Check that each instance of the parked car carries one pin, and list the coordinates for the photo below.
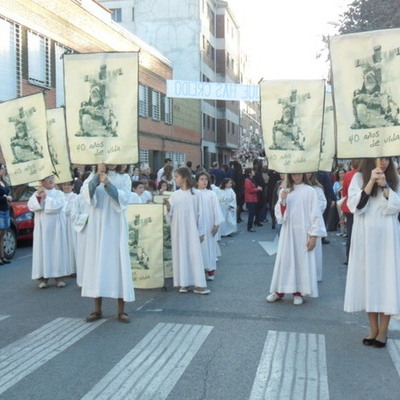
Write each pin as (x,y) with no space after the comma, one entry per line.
(21,219)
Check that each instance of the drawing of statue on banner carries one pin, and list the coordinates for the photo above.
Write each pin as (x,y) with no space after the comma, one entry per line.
(373,105)
(101,95)
(23,139)
(145,240)
(292,116)
(57,143)
(25,147)
(366,79)
(328,145)
(286,132)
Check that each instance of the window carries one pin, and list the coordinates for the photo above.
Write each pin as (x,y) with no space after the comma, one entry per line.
(178,159)
(116,14)
(60,50)
(168,110)
(155,105)
(39,67)
(144,157)
(143,101)
(211,18)
(133,13)
(10,60)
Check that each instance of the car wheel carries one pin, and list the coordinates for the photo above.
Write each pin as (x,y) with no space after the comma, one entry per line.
(10,243)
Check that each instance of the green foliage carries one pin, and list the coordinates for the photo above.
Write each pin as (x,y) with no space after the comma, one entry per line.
(369,15)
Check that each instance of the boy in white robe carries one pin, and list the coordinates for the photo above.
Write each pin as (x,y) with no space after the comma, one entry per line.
(50,256)
(227,200)
(137,191)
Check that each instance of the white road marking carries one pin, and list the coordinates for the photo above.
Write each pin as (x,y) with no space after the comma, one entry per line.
(393,347)
(3,317)
(152,368)
(292,365)
(20,358)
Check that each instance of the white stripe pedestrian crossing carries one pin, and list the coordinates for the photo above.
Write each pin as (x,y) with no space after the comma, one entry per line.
(152,368)
(393,347)
(24,356)
(3,317)
(292,365)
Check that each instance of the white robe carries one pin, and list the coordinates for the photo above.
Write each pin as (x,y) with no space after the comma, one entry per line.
(295,267)
(212,216)
(50,256)
(79,217)
(318,247)
(107,267)
(227,200)
(373,275)
(187,225)
(71,233)
(134,198)
(217,191)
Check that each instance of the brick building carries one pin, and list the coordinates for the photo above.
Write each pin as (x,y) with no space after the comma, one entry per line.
(36,33)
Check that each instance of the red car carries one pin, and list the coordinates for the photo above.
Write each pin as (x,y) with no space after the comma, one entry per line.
(21,219)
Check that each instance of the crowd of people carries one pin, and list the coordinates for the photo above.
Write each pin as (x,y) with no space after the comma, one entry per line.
(81,229)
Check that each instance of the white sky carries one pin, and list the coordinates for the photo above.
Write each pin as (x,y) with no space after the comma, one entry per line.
(283,36)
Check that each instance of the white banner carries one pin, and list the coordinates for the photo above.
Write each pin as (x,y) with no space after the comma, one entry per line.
(213,91)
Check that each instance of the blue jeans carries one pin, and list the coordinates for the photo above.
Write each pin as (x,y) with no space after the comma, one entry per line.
(251,209)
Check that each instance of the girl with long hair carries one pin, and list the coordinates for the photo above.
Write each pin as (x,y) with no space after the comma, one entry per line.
(373,274)
(227,200)
(295,266)
(185,212)
(212,219)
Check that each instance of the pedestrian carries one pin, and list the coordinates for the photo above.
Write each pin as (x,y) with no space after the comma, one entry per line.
(313,182)
(373,274)
(50,255)
(168,176)
(217,172)
(295,267)
(137,191)
(250,196)
(227,200)
(160,172)
(275,184)
(185,212)
(70,197)
(5,201)
(261,195)
(348,176)
(330,214)
(107,267)
(212,219)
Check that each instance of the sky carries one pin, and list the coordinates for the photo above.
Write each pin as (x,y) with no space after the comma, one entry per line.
(283,37)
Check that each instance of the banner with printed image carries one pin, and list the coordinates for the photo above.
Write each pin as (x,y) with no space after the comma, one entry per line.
(23,139)
(328,144)
(101,94)
(292,115)
(58,146)
(145,223)
(366,81)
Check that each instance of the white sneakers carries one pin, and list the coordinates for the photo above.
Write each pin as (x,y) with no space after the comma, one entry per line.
(298,300)
(271,298)
(201,290)
(61,284)
(183,289)
(43,285)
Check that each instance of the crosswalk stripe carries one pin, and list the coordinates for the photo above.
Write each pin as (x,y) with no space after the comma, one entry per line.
(393,347)
(152,368)
(3,317)
(292,365)
(24,356)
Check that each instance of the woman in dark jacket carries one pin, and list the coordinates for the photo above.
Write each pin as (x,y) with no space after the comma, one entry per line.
(5,200)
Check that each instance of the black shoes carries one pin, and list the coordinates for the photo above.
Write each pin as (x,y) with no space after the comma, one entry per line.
(374,343)
(325,241)
(368,342)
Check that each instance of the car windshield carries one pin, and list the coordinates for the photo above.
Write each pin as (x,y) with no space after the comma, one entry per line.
(22,192)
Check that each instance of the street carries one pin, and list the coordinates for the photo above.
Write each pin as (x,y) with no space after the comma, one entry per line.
(231,344)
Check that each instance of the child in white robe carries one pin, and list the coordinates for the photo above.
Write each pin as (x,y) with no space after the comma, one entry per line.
(185,213)
(295,267)
(70,197)
(227,200)
(107,266)
(137,190)
(212,219)
(50,256)
(373,273)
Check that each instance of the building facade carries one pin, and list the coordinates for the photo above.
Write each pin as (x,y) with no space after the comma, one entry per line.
(201,38)
(35,35)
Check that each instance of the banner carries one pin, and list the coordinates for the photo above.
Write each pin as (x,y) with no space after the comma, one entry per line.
(366,80)
(145,223)
(57,140)
(23,139)
(168,269)
(213,91)
(328,145)
(101,92)
(292,115)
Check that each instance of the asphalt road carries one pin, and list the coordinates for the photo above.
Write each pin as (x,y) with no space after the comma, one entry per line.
(228,345)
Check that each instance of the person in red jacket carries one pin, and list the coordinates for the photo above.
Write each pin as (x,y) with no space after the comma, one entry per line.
(250,196)
(348,214)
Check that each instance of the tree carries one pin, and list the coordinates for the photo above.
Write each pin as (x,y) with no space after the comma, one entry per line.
(370,15)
